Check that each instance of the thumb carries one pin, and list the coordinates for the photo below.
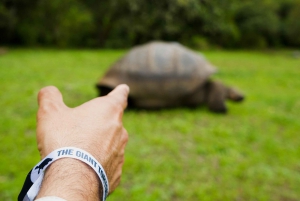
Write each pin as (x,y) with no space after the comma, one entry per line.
(120,94)
(50,99)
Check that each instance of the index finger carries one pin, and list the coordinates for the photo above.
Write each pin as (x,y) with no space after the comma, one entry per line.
(120,95)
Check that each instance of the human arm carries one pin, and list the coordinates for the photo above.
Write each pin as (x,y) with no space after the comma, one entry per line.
(96,127)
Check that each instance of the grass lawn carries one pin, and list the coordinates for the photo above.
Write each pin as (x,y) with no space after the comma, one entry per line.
(252,153)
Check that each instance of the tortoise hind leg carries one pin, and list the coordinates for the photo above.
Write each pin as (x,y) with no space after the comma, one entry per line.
(216,96)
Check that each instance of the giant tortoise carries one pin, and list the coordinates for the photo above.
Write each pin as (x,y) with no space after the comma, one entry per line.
(162,74)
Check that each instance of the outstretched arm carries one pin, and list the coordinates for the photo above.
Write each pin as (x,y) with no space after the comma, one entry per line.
(96,127)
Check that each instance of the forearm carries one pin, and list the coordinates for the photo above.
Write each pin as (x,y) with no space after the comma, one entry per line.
(71,179)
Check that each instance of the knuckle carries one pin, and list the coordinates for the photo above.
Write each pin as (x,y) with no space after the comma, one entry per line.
(121,155)
(125,136)
(117,125)
(115,105)
(120,172)
(49,106)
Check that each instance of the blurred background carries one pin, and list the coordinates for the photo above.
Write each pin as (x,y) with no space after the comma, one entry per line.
(123,23)
(252,153)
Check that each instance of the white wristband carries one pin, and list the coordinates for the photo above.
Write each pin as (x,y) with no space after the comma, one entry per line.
(50,198)
(35,177)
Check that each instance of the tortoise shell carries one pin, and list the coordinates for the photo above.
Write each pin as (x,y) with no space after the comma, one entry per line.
(158,73)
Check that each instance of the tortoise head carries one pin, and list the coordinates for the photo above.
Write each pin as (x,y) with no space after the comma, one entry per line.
(218,93)
(234,95)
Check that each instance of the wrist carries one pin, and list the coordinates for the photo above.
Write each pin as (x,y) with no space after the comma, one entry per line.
(71,179)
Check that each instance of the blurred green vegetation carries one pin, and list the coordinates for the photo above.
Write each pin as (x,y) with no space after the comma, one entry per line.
(124,23)
(252,153)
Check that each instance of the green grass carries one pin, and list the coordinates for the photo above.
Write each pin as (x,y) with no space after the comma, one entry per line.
(252,153)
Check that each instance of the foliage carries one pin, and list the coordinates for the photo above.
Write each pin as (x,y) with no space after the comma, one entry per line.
(252,153)
(124,23)
(62,23)
(292,26)
(7,22)
(258,23)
